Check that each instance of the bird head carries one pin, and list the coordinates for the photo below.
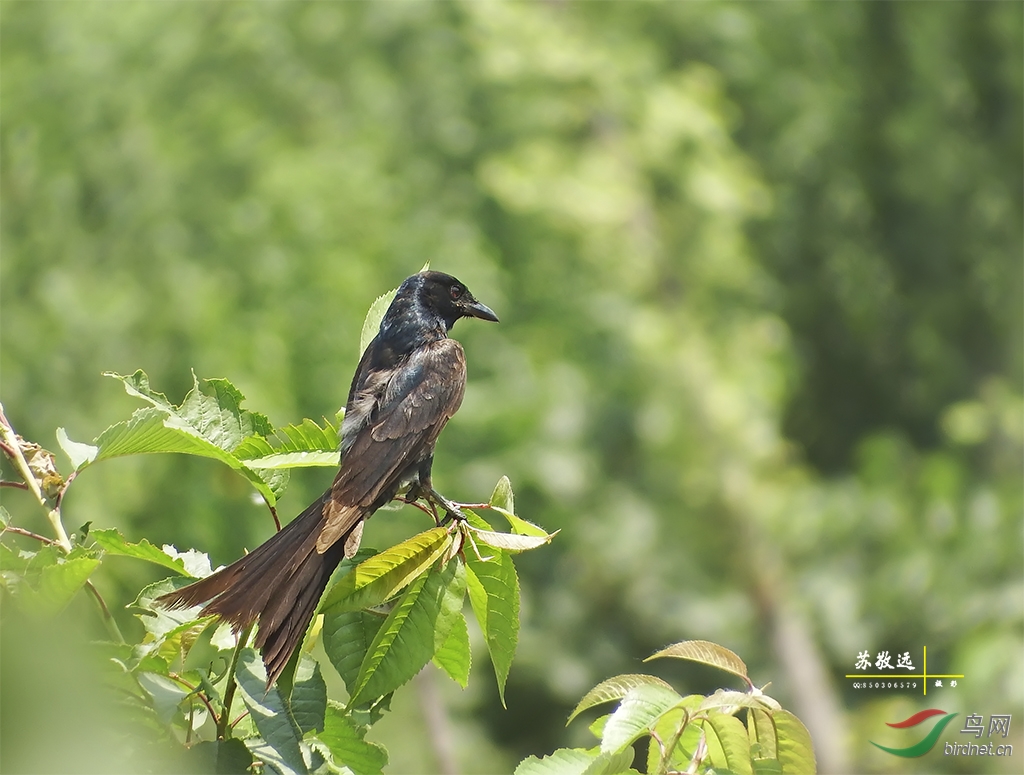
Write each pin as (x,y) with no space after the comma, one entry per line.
(449,298)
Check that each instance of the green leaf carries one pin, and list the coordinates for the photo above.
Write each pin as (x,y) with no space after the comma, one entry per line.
(667,728)
(347,636)
(639,710)
(510,542)
(294,446)
(371,323)
(167,694)
(78,453)
(381,577)
(413,632)
(577,761)
(761,732)
(706,653)
(271,715)
(112,542)
(494,595)
(614,689)
(346,744)
(48,593)
(209,423)
(727,701)
(503,502)
(728,747)
(795,748)
(308,699)
(455,656)
(220,757)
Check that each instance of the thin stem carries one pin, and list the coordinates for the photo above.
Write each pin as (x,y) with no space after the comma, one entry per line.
(19,485)
(108,618)
(232,685)
(199,694)
(27,533)
(273,513)
(666,751)
(12,449)
(240,717)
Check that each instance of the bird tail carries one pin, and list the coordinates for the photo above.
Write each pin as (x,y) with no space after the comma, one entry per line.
(277,584)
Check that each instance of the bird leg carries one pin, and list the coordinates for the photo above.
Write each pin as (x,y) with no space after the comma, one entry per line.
(450,507)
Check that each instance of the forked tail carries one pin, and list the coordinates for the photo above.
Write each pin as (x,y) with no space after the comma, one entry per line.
(277,584)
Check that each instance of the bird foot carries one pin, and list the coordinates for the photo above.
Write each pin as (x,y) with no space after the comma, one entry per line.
(451,509)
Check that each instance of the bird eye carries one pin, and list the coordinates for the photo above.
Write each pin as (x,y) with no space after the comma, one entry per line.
(456,291)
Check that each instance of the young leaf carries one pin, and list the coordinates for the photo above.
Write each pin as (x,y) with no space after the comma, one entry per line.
(347,636)
(413,632)
(503,502)
(639,710)
(614,689)
(78,453)
(510,542)
(455,656)
(728,701)
(371,323)
(795,749)
(683,745)
(271,715)
(346,744)
(706,653)
(494,595)
(381,577)
(727,743)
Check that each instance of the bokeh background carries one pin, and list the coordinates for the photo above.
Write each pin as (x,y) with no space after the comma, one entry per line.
(759,273)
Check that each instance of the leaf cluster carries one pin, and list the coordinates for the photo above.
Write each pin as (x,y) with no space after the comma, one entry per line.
(692,733)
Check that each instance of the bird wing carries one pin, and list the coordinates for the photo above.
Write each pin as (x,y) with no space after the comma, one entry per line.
(411,406)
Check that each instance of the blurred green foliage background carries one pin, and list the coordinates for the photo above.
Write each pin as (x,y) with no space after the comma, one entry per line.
(759,274)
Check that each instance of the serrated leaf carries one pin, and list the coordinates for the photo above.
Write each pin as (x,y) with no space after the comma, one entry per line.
(795,748)
(347,636)
(52,589)
(270,713)
(494,595)
(381,577)
(455,656)
(295,446)
(371,323)
(577,761)
(510,542)
(346,744)
(707,653)
(413,632)
(614,689)
(197,564)
(728,747)
(78,453)
(209,423)
(639,710)
(112,542)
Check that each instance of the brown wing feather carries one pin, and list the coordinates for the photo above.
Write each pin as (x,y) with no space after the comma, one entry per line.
(400,434)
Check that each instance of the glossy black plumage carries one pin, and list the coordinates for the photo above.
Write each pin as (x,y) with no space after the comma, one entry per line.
(409,382)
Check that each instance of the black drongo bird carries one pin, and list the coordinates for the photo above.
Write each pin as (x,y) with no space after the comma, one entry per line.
(408,384)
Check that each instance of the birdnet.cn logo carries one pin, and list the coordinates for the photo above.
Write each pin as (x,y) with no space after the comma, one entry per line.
(998,727)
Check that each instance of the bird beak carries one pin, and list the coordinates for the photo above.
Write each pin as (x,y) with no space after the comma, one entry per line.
(477,310)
